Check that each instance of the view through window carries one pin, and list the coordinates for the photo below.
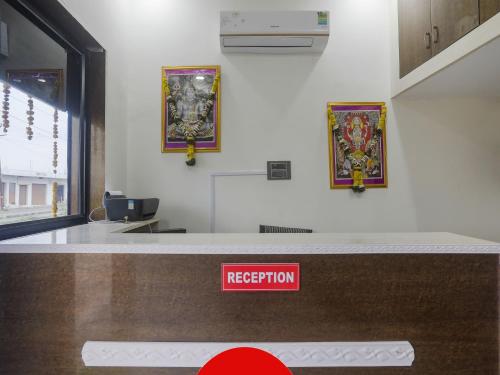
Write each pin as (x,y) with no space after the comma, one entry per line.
(40,81)
(34,172)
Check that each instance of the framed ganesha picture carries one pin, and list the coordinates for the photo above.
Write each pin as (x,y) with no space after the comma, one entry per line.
(357,145)
(191,109)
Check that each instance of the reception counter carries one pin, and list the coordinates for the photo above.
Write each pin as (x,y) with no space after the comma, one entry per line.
(94,299)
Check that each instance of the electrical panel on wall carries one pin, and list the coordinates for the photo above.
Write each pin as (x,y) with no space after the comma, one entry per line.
(279,170)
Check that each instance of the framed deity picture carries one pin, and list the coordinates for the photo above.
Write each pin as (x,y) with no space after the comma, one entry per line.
(44,84)
(357,145)
(191,108)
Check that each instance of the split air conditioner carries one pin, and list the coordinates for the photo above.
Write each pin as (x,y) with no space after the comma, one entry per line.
(274,32)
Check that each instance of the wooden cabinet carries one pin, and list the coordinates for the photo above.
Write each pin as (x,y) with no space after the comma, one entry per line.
(488,8)
(415,44)
(426,27)
(451,20)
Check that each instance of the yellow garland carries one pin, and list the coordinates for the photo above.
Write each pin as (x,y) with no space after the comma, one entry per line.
(383,115)
(166,89)
(331,119)
(54,199)
(190,151)
(215,85)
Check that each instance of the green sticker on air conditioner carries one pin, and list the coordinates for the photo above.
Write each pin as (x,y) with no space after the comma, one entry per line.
(322,18)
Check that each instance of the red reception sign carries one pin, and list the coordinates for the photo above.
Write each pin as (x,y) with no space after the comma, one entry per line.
(260,277)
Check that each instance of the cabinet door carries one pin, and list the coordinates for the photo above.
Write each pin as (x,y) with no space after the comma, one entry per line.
(414,34)
(488,8)
(451,20)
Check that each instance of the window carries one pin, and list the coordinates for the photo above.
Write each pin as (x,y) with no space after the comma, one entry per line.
(44,135)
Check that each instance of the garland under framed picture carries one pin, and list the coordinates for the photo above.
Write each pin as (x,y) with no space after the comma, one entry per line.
(191,110)
(357,145)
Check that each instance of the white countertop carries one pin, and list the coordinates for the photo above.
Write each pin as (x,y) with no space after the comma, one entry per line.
(102,237)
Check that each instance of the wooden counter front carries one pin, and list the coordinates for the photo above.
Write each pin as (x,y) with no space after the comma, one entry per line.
(445,305)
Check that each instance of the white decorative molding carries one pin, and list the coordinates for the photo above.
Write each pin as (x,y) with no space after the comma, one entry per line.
(293,354)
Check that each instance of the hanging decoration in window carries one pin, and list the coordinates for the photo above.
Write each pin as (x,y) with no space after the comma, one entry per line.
(191,110)
(55,136)
(356,133)
(49,122)
(30,113)
(5,112)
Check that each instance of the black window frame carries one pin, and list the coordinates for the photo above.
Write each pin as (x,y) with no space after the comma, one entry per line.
(53,19)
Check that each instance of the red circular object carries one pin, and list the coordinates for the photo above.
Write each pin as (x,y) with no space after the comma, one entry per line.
(244,361)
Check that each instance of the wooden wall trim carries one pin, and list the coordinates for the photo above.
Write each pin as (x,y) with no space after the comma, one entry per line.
(96,80)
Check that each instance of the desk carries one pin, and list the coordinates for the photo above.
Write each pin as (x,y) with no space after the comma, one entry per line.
(113,238)
(438,291)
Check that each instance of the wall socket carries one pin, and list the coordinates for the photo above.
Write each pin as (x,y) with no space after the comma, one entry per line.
(279,170)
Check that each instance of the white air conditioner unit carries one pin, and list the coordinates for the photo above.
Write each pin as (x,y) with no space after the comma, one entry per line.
(274,32)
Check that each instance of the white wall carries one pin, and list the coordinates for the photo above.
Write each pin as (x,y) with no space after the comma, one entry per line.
(452,150)
(274,107)
(443,153)
(450,131)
